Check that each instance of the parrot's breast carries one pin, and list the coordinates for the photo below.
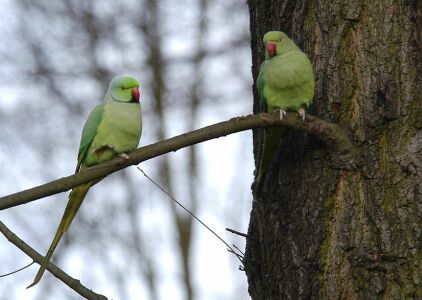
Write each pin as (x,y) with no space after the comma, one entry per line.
(119,132)
(289,81)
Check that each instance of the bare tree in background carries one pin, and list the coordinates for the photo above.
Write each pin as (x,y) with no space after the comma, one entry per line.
(58,69)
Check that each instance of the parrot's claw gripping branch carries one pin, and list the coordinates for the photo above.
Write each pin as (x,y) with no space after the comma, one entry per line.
(302,114)
(124,156)
(282,114)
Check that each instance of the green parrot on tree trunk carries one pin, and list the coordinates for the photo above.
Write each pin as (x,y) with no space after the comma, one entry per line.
(285,82)
(112,128)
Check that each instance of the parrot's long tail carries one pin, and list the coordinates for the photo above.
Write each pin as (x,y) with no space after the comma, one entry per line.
(271,140)
(76,197)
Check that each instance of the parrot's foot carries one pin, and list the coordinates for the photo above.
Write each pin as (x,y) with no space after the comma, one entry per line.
(124,156)
(282,113)
(302,114)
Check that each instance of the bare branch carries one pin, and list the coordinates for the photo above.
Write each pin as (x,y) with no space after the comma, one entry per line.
(342,151)
(74,284)
(237,232)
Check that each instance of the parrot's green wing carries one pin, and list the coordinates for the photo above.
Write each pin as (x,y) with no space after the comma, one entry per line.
(260,86)
(88,133)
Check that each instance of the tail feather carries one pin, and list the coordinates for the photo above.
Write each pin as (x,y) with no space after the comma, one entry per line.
(76,197)
(271,141)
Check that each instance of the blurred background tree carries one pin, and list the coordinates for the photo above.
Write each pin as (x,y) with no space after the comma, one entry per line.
(128,241)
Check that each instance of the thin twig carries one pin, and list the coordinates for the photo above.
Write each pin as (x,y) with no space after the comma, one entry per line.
(18,270)
(239,249)
(74,284)
(237,232)
(230,249)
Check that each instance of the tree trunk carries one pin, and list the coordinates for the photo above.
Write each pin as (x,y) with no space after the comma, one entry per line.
(319,231)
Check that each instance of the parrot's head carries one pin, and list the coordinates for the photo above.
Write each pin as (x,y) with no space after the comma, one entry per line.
(124,89)
(277,43)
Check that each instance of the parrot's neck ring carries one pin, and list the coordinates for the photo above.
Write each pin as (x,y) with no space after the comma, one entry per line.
(121,101)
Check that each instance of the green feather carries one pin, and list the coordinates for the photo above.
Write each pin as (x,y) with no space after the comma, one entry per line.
(260,86)
(89,132)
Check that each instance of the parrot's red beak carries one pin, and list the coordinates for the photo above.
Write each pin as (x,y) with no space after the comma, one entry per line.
(135,94)
(271,48)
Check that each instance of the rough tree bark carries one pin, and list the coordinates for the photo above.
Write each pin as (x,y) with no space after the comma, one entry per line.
(322,231)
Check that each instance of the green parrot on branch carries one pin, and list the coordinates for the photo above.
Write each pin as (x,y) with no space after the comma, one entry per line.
(285,82)
(113,128)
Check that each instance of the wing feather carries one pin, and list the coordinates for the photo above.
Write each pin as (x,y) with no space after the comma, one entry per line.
(89,131)
(260,83)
